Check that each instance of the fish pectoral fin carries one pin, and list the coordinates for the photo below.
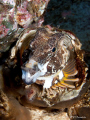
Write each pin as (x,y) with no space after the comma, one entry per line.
(70,65)
(70,69)
(72,73)
(69,73)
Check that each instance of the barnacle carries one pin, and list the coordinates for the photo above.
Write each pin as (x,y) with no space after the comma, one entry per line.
(55,66)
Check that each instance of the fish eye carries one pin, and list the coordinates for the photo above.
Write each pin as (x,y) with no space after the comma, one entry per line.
(54,49)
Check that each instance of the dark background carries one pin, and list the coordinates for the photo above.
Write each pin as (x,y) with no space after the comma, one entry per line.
(71,15)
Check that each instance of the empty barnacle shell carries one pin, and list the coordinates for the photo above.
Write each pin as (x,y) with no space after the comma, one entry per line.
(55,70)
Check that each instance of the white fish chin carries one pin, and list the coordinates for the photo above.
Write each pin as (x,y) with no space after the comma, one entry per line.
(29,79)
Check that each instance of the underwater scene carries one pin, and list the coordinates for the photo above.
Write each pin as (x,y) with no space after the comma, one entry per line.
(44,60)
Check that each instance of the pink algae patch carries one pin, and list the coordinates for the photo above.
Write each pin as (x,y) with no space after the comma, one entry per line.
(3,31)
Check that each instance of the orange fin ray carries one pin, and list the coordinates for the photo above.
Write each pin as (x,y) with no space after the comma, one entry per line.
(70,74)
(67,85)
(58,85)
(70,79)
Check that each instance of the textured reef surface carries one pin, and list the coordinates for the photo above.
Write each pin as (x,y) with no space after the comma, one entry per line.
(44,60)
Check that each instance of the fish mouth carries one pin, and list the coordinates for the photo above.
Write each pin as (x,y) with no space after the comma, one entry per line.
(33,67)
(65,78)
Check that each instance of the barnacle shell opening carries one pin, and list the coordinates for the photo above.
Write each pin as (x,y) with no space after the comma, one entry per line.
(55,70)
